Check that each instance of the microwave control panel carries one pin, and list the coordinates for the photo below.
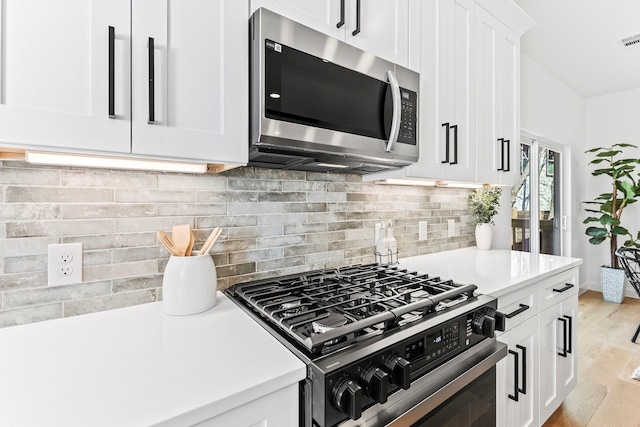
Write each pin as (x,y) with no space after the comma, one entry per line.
(408,117)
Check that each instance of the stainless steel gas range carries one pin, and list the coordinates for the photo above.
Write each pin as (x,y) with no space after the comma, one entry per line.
(383,346)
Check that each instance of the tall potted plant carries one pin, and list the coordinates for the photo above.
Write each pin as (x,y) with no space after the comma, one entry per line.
(484,203)
(609,208)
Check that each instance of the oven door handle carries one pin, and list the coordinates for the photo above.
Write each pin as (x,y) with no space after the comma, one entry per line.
(397,112)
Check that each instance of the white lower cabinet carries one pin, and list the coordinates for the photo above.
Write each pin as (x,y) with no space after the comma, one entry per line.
(540,369)
(558,354)
(517,382)
(279,408)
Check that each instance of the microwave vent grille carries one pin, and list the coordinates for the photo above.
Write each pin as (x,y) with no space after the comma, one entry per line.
(273,159)
(369,168)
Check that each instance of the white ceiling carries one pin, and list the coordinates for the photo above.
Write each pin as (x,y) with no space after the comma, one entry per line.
(579,42)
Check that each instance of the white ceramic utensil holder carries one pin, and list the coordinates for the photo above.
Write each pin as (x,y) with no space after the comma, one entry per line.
(189,285)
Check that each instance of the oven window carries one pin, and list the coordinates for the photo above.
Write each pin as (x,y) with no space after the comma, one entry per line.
(301,88)
(473,406)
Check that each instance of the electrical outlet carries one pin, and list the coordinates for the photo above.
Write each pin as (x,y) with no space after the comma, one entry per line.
(64,264)
(422,230)
(451,228)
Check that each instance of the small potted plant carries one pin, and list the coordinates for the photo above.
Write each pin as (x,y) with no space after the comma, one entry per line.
(609,208)
(484,203)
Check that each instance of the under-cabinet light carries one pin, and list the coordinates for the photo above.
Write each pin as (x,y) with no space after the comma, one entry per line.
(80,160)
(331,165)
(459,185)
(400,181)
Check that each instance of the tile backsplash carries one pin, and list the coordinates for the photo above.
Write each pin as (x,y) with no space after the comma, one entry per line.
(274,222)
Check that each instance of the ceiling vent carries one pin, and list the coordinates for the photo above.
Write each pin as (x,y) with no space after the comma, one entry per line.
(631,40)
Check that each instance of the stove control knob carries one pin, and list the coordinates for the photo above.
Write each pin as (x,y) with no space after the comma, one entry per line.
(347,398)
(400,370)
(484,325)
(377,384)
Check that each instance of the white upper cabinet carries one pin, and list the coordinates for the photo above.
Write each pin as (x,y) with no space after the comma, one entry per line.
(163,78)
(455,146)
(189,79)
(381,27)
(498,122)
(55,64)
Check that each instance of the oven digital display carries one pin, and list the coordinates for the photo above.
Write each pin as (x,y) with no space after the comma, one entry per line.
(414,351)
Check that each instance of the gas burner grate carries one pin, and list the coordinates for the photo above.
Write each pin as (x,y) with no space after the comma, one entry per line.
(367,299)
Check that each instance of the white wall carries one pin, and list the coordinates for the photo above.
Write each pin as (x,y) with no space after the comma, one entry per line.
(611,119)
(552,110)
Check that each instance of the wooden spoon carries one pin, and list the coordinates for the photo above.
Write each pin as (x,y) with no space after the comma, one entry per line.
(167,242)
(190,247)
(211,240)
(181,236)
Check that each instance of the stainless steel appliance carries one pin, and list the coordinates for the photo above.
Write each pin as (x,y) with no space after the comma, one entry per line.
(383,346)
(320,104)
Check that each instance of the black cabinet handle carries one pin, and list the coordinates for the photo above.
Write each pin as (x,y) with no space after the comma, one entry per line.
(566,288)
(564,338)
(508,144)
(455,145)
(516,379)
(446,144)
(112,72)
(570,332)
(523,390)
(357,30)
(341,23)
(150,49)
(501,145)
(501,318)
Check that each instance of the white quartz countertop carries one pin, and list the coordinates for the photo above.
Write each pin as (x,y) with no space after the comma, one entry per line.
(495,272)
(138,367)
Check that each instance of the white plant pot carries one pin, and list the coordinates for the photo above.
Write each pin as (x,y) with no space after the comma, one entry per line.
(189,285)
(612,281)
(484,232)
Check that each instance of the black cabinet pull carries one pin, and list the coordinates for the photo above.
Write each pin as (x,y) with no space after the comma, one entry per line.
(501,318)
(446,144)
(508,144)
(357,30)
(523,390)
(570,332)
(566,288)
(516,379)
(455,145)
(112,72)
(522,308)
(150,48)
(564,338)
(341,23)
(501,145)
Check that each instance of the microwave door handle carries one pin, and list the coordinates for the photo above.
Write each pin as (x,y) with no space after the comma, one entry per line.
(395,121)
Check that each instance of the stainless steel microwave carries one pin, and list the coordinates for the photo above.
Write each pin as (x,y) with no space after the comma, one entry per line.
(319,104)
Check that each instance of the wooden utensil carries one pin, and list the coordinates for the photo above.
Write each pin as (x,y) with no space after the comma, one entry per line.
(211,240)
(190,247)
(181,236)
(167,243)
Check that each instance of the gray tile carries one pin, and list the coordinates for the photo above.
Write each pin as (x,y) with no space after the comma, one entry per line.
(126,195)
(120,270)
(236,269)
(26,246)
(137,283)
(325,237)
(192,182)
(191,209)
(10,282)
(109,302)
(305,186)
(253,185)
(304,207)
(282,196)
(25,263)
(29,211)
(305,249)
(226,196)
(111,210)
(326,217)
(276,241)
(58,194)
(120,240)
(227,221)
(281,219)
(253,208)
(21,176)
(254,255)
(325,257)
(256,232)
(344,225)
(304,228)
(58,228)
(55,294)
(112,179)
(22,316)
(137,225)
(123,255)
(274,264)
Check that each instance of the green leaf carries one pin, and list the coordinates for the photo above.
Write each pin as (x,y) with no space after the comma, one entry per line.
(610,153)
(597,240)
(619,231)
(596,232)
(608,220)
(624,145)
(591,219)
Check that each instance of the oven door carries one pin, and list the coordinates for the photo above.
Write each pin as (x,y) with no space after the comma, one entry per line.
(461,393)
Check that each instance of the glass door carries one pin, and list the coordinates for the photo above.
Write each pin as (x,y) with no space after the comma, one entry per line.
(536,208)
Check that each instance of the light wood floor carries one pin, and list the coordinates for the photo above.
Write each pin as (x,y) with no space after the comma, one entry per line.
(605,395)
